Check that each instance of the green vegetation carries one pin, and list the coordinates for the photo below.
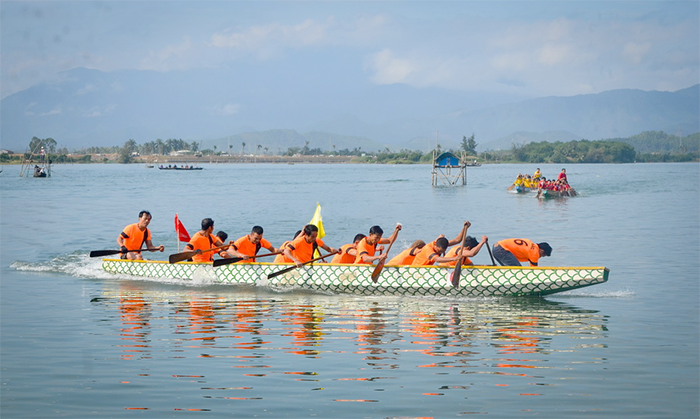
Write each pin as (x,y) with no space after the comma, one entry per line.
(650,146)
(583,151)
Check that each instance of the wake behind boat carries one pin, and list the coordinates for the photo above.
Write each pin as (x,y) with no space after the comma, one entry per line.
(476,281)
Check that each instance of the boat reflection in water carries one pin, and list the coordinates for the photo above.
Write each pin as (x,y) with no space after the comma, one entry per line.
(331,342)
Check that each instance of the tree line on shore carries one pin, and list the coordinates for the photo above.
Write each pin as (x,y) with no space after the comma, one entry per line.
(657,146)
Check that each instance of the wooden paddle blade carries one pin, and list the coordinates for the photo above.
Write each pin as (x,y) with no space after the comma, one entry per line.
(380,265)
(179,257)
(457,273)
(377,271)
(283,271)
(98,253)
(274,274)
(222,262)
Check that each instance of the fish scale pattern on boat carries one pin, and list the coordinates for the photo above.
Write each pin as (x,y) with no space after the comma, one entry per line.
(355,279)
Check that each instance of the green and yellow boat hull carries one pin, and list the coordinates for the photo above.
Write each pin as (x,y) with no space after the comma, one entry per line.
(475,281)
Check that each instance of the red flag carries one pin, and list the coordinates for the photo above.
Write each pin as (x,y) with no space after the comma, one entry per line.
(182,233)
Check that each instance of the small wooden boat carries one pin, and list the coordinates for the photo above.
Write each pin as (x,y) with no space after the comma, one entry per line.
(520,189)
(476,281)
(180,168)
(552,194)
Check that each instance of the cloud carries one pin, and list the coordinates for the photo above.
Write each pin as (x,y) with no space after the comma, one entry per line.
(531,48)
(635,52)
(171,57)
(271,40)
(556,57)
(390,69)
(55,111)
(89,88)
(227,109)
(100,111)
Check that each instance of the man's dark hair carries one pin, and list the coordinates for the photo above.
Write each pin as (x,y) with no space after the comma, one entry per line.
(442,243)
(310,228)
(376,230)
(471,242)
(206,223)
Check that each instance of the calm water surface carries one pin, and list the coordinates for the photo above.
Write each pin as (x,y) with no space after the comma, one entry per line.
(77,342)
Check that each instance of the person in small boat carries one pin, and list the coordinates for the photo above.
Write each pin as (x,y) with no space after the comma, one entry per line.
(510,252)
(367,247)
(134,236)
(302,248)
(434,251)
(251,243)
(471,249)
(537,174)
(562,175)
(519,180)
(407,256)
(348,252)
(204,240)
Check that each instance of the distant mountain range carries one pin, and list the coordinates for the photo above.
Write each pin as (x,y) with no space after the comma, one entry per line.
(85,107)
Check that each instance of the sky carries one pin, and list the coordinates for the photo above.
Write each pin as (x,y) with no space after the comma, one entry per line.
(524,48)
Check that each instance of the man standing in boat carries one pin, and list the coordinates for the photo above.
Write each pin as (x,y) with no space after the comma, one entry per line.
(562,175)
(250,244)
(368,246)
(135,236)
(510,252)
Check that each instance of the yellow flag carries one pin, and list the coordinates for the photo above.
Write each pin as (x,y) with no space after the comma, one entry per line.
(318,221)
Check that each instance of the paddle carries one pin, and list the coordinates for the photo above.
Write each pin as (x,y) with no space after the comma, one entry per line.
(291,268)
(510,188)
(179,257)
(97,253)
(458,267)
(490,253)
(222,262)
(380,265)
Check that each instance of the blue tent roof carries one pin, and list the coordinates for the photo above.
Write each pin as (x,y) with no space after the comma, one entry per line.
(447,159)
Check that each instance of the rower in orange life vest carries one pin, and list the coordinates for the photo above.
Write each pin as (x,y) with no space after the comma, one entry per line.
(407,256)
(471,249)
(510,252)
(302,249)
(135,236)
(433,252)
(250,244)
(281,258)
(367,246)
(348,252)
(204,240)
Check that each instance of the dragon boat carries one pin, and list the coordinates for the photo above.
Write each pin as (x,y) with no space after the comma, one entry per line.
(552,194)
(475,281)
